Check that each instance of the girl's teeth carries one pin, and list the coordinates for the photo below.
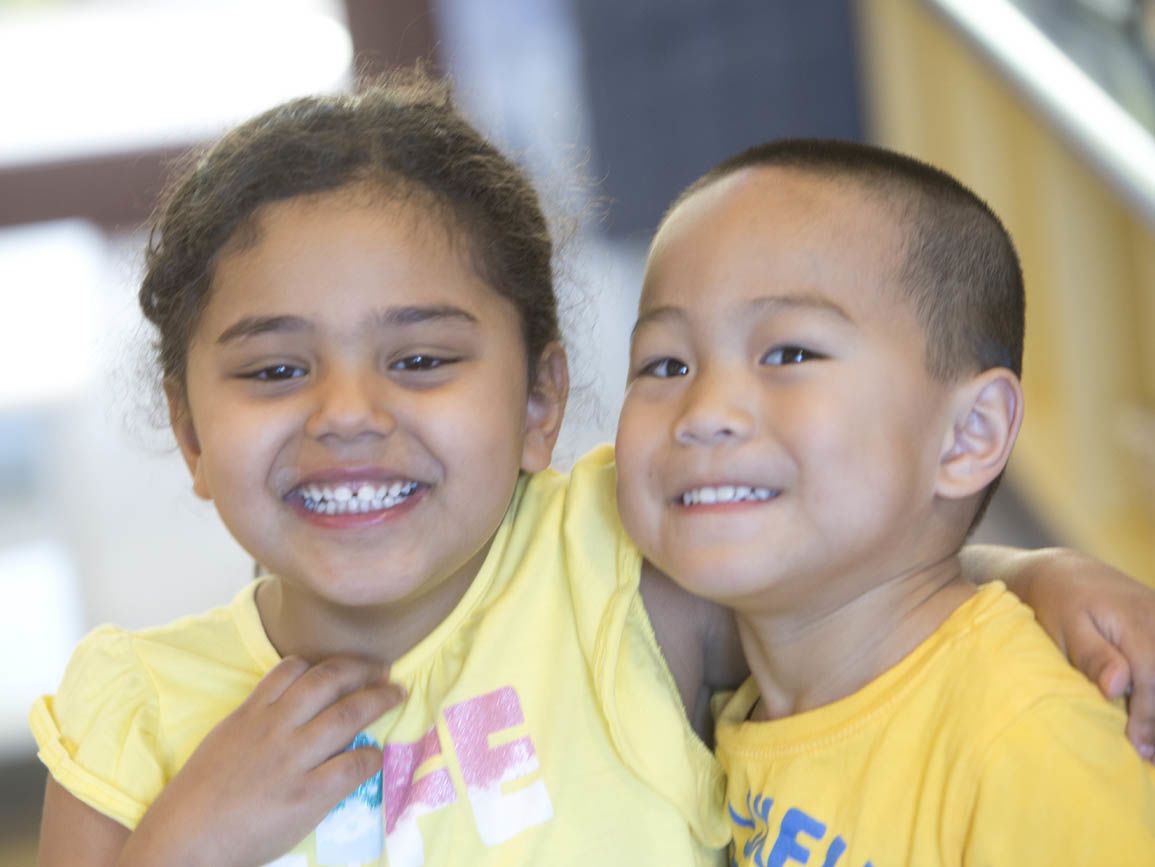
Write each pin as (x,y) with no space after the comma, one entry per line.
(356,498)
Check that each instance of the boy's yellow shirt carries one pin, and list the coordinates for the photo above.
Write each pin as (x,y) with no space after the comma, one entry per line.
(982,747)
(542,725)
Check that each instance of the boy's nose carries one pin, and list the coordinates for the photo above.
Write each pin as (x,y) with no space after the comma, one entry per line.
(350,404)
(716,410)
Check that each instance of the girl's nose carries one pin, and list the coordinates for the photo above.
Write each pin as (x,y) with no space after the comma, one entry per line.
(350,404)
(717,409)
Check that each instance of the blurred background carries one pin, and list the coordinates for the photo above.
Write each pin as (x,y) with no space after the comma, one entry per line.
(1045,107)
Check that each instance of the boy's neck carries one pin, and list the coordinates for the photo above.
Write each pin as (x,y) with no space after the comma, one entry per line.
(805,659)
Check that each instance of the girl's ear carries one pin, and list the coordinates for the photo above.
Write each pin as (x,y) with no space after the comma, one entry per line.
(547,397)
(180,418)
(987,413)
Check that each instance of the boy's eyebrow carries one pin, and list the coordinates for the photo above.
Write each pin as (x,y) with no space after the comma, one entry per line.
(812,300)
(253,326)
(763,304)
(656,314)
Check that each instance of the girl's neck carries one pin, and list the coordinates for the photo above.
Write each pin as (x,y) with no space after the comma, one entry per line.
(803,660)
(299,623)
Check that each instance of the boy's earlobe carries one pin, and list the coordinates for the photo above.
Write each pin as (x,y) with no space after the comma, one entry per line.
(547,398)
(988,414)
(180,419)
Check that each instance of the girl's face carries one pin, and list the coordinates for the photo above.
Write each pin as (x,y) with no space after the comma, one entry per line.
(356,403)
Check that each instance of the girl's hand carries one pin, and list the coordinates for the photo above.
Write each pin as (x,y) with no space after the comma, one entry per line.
(269,772)
(1101,619)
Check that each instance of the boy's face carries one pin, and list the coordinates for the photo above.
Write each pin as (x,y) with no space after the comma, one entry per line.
(779,427)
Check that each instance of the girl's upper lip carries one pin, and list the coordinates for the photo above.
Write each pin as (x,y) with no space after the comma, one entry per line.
(338,475)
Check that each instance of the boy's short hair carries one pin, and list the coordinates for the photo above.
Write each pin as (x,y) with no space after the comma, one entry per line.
(959,269)
(959,266)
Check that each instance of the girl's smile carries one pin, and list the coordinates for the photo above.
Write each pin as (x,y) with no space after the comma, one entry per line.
(357,406)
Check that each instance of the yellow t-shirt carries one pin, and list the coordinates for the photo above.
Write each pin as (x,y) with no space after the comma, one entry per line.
(982,747)
(542,725)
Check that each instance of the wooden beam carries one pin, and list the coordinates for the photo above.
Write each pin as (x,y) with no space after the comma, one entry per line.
(117,190)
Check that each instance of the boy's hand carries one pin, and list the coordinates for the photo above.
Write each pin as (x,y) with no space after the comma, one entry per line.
(269,772)
(1102,620)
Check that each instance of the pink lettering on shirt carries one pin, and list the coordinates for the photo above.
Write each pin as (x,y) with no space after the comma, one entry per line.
(404,798)
(497,777)
(490,770)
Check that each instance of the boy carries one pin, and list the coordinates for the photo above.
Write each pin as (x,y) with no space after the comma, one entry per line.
(823,394)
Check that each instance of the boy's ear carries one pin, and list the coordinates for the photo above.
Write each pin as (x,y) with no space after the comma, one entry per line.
(547,397)
(181,421)
(985,419)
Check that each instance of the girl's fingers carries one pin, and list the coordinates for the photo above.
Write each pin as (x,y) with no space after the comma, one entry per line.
(339,776)
(273,685)
(334,728)
(325,683)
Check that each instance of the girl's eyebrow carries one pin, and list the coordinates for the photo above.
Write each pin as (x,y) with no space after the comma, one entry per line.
(416,314)
(254,326)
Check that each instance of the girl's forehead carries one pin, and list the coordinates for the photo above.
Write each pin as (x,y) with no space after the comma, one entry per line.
(346,257)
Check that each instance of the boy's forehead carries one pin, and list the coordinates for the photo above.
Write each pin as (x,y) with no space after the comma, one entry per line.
(769,224)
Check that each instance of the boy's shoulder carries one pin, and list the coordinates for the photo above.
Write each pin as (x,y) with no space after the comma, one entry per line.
(988,667)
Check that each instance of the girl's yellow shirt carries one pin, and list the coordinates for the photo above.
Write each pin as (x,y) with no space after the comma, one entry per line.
(542,724)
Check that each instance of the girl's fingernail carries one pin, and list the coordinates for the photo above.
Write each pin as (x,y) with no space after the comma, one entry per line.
(1147,751)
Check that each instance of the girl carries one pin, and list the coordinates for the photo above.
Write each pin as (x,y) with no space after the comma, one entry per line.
(360,351)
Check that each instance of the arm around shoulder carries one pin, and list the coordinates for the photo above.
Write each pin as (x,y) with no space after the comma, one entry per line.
(698,640)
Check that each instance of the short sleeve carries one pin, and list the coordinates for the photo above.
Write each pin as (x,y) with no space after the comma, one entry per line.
(1061,785)
(638,696)
(98,734)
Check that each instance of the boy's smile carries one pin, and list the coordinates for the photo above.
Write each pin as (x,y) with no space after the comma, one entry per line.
(357,405)
(780,428)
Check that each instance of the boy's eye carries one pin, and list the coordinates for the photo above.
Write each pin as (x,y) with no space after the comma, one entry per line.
(276,373)
(665,368)
(420,362)
(783,355)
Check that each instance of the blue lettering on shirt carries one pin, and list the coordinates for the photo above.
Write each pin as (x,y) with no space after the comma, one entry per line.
(797,837)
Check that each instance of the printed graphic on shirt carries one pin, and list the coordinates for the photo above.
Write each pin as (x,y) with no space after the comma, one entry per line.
(765,837)
(481,744)
(354,830)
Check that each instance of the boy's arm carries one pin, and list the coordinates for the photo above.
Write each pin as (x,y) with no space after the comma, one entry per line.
(1101,619)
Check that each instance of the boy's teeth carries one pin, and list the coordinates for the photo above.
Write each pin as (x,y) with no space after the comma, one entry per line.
(710,495)
(355,498)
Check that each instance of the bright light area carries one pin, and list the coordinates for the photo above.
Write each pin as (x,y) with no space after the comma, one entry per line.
(40,622)
(100,78)
(51,276)
(1106,132)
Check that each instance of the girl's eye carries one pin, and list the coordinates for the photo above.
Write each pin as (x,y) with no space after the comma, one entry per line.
(783,355)
(420,362)
(665,368)
(276,373)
